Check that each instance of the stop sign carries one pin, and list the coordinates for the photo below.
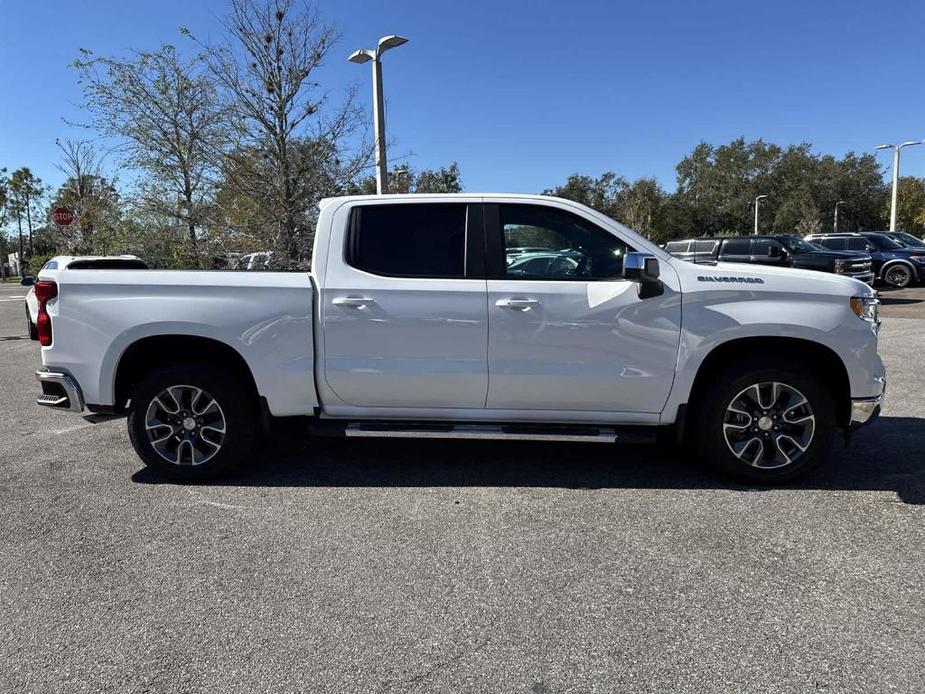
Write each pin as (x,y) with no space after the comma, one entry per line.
(62,216)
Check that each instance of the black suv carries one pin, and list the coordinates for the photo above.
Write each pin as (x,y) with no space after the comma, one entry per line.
(895,263)
(783,251)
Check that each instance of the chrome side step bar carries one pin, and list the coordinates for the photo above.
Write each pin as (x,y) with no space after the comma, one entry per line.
(485,432)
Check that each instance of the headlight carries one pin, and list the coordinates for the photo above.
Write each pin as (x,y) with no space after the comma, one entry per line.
(866,308)
(917,258)
(840,265)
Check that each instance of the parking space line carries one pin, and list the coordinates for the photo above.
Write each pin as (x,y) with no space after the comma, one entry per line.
(77,427)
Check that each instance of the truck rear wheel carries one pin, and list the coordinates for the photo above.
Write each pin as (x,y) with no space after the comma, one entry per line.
(765,420)
(192,422)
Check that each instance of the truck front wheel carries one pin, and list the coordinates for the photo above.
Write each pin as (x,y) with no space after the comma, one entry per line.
(898,276)
(765,420)
(192,422)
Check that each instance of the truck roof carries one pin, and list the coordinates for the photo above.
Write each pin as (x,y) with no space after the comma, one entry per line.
(412,197)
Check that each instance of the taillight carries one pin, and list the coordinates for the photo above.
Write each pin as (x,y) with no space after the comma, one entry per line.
(45,291)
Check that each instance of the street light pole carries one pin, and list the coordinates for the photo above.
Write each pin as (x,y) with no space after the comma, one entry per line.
(374,55)
(757,201)
(835,223)
(894,198)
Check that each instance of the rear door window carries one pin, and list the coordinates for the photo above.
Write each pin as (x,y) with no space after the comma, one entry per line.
(736,250)
(409,240)
(761,247)
(833,244)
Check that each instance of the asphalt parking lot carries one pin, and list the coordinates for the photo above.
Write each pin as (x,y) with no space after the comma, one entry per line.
(397,566)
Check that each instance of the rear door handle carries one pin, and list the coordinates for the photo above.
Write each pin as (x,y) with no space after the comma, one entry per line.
(353,301)
(517,304)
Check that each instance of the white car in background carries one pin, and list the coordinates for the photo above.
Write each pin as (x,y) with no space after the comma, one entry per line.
(75,262)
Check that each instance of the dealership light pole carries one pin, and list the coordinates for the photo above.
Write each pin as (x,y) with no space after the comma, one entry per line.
(364,56)
(893,201)
(757,201)
(835,223)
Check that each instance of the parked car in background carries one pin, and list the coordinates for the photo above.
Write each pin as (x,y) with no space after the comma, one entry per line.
(549,264)
(894,264)
(75,262)
(906,239)
(779,250)
(515,253)
(255,261)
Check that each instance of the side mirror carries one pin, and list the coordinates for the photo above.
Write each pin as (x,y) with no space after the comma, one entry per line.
(27,281)
(640,267)
(871,248)
(774,251)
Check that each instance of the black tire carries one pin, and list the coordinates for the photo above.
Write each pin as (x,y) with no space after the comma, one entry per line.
(898,276)
(709,417)
(236,407)
(33,331)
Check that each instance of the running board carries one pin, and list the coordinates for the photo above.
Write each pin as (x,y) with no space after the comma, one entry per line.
(487,432)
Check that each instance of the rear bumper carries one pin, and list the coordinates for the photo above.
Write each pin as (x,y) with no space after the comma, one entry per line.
(60,391)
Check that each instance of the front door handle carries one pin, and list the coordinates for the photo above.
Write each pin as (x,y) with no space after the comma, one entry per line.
(517,304)
(353,301)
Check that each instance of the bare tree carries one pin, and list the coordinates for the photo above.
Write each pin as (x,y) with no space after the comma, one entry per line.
(86,192)
(165,112)
(266,71)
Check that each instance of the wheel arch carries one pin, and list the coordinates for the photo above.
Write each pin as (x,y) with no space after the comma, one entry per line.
(899,261)
(823,360)
(147,354)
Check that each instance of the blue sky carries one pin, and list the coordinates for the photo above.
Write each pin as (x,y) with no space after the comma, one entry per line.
(521,93)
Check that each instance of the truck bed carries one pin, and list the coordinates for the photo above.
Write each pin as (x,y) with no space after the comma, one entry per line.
(265,316)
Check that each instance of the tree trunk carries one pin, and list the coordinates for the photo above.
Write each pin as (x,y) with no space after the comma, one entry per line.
(19,224)
(190,223)
(29,219)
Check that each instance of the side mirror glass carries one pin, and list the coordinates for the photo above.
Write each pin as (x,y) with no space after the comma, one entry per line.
(641,267)
(871,248)
(27,281)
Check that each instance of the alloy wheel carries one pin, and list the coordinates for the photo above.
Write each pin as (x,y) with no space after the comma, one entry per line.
(769,425)
(898,276)
(185,425)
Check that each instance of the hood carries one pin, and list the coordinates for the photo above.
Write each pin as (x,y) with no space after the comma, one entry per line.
(764,278)
(902,252)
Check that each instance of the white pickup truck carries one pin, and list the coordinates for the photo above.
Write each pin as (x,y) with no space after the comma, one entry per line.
(469,316)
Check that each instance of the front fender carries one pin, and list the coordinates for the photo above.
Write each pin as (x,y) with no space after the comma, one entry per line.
(714,319)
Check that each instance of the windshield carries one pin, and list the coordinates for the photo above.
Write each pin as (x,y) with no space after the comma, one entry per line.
(795,244)
(884,243)
(907,239)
